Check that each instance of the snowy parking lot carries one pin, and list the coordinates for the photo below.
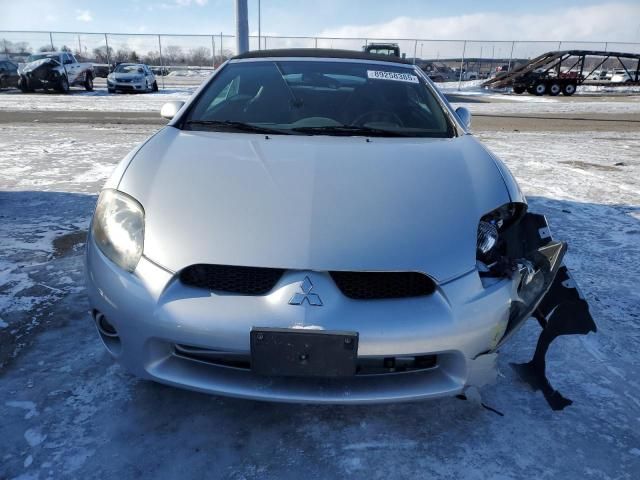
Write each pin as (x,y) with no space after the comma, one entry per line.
(67,411)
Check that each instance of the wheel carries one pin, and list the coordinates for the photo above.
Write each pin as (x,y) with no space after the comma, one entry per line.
(569,89)
(555,89)
(519,89)
(88,83)
(111,90)
(155,86)
(539,88)
(23,85)
(63,86)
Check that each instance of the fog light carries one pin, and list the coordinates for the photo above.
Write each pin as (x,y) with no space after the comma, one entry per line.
(105,327)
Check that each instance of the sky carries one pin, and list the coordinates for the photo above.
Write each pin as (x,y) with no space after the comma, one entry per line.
(598,20)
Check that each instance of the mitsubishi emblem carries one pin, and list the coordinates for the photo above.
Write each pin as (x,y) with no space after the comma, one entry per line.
(312,298)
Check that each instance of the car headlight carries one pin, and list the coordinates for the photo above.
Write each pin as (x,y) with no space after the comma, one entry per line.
(138,78)
(490,227)
(118,228)
(487,237)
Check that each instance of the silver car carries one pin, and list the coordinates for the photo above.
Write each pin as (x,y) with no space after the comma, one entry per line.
(320,226)
(132,77)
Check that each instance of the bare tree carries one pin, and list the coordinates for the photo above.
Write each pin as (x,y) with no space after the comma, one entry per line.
(199,56)
(172,55)
(101,55)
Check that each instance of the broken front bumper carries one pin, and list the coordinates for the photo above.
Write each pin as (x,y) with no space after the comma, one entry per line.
(545,290)
(185,336)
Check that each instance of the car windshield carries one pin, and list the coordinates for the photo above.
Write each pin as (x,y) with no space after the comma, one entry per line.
(319,98)
(40,56)
(128,68)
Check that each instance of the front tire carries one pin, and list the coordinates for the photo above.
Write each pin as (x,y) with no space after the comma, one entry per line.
(63,85)
(88,83)
(111,90)
(519,89)
(155,86)
(23,84)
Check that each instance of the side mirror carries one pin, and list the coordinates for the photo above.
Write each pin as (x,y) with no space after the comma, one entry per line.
(170,109)
(465,116)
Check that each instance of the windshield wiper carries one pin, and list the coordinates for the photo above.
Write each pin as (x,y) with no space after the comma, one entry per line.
(236,126)
(350,130)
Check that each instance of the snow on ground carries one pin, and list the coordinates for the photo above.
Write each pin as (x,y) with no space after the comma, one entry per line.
(69,412)
(532,105)
(99,100)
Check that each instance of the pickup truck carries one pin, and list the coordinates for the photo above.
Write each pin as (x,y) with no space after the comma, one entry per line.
(56,70)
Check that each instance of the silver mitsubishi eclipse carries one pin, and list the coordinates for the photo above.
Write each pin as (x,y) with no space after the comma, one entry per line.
(320,226)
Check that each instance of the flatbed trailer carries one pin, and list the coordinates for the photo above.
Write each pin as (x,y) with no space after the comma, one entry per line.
(545,74)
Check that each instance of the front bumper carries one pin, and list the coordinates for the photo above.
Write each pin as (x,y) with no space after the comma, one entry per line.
(153,312)
(461,325)
(126,86)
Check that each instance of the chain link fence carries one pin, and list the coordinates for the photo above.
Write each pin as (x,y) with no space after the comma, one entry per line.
(197,55)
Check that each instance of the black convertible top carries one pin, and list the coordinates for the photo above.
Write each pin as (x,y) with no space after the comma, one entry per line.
(320,53)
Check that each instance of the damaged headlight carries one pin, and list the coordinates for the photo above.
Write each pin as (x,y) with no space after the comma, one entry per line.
(490,227)
(487,237)
(118,228)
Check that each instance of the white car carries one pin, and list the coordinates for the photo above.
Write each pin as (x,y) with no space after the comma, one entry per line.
(622,76)
(132,77)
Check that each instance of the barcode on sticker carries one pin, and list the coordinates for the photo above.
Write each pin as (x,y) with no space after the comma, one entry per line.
(398,77)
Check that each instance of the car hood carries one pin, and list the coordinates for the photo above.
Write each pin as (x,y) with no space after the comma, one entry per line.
(31,66)
(313,202)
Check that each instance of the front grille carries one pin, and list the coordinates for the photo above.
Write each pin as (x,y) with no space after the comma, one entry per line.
(354,285)
(226,278)
(383,285)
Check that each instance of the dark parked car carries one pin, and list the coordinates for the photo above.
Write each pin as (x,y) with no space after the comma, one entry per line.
(8,74)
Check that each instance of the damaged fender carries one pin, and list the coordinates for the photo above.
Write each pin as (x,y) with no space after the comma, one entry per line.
(543,288)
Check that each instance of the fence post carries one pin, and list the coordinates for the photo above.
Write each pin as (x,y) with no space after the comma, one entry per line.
(511,56)
(106,43)
(51,40)
(6,50)
(464,49)
(415,51)
(606,45)
(161,62)
(316,42)
(213,52)
(559,45)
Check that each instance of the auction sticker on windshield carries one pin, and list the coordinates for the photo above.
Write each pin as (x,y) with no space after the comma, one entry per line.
(398,77)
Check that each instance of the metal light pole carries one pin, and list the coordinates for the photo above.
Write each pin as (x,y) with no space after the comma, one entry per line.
(242,26)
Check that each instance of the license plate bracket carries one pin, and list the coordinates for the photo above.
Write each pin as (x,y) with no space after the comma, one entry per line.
(291,352)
